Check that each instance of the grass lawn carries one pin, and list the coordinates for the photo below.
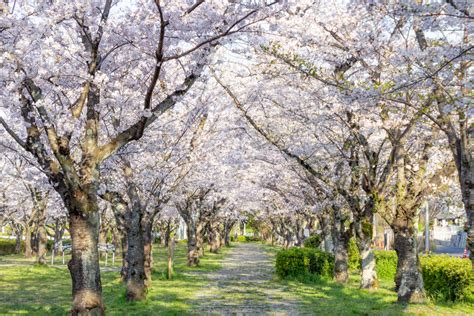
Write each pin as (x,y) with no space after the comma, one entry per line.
(33,290)
(326,297)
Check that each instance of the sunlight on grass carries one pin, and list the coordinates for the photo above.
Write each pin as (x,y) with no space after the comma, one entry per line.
(35,290)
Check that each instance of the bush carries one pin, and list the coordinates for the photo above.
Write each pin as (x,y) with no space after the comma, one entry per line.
(290,262)
(447,278)
(299,261)
(252,238)
(386,264)
(354,255)
(7,246)
(313,241)
(248,238)
(320,262)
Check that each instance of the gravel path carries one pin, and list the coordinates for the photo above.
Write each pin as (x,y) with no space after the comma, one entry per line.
(244,286)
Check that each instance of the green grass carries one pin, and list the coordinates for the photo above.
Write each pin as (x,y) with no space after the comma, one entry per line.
(34,290)
(320,296)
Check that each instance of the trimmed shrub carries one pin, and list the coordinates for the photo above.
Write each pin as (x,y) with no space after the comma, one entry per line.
(299,261)
(313,241)
(354,255)
(447,278)
(320,262)
(386,264)
(252,238)
(7,246)
(290,262)
(248,238)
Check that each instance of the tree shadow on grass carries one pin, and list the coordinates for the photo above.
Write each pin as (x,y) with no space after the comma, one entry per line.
(327,297)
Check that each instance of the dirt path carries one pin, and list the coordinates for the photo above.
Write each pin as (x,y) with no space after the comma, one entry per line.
(244,286)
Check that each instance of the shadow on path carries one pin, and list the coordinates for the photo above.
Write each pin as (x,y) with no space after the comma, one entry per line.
(244,286)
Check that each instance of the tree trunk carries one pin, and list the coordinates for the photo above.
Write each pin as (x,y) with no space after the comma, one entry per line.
(341,264)
(167,233)
(170,258)
(58,235)
(408,279)
(147,250)
(42,243)
(28,248)
(18,243)
(135,279)
(466,176)
(213,239)
(200,239)
(227,229)
(84,264)
(193,253)
(124,245)
(363,230)
(341,236)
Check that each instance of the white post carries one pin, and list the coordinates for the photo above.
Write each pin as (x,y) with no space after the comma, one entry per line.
(244,228)
(52,256)
(63,256)
(113,258)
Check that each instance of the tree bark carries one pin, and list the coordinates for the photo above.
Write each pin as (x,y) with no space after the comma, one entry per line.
(18,241)
(408,279)
(84,264)
(193,253)
(200,238)
(28,248)
(124,245)
(147,251)
(363,230)
(214,239)
(135,279)
(42,243)
(341,235)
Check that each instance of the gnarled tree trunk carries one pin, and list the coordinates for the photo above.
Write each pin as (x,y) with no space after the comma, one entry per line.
(214,239)
(341,234)
(147,251)
(84,264)
(42,243)
(193,252)
(135,278)
(363,231)
(28,247)
(408,279)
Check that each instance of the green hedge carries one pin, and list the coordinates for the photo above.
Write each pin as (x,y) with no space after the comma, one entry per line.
(386,264)
(299,261)
(7,246)
(354,256)
(313,241)
(445,278)
(248,238)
